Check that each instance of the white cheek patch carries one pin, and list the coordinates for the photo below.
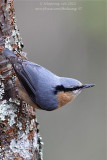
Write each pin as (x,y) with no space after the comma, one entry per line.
(76,92)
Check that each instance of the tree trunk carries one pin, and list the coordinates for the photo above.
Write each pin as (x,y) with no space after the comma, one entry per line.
(19,133)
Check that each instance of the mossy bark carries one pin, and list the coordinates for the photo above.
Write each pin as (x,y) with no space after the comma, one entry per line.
(19,133)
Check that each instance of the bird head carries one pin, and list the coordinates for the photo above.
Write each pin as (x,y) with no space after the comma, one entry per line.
(69,89)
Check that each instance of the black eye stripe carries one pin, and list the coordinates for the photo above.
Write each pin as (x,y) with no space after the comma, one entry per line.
(62,88)
(77,88)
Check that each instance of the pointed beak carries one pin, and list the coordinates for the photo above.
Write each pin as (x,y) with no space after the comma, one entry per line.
(88,86)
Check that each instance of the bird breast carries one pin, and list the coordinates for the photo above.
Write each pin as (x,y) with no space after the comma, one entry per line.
(64,98)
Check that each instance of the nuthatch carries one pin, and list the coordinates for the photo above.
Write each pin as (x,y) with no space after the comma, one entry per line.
(40,87)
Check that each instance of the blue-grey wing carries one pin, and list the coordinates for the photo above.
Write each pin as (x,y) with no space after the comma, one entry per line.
(38,82)
(26,78)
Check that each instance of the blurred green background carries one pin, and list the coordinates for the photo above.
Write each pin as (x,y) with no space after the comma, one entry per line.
(71,43)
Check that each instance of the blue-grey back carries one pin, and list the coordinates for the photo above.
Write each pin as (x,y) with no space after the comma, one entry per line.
(44,83)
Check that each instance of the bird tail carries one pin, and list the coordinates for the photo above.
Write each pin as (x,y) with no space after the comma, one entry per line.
(8,54)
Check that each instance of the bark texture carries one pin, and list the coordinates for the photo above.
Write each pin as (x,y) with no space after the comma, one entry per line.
(19,133)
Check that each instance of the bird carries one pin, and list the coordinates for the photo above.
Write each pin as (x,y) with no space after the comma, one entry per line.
(41,88)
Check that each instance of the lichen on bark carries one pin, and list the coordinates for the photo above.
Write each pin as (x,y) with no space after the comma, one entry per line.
(19,132)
